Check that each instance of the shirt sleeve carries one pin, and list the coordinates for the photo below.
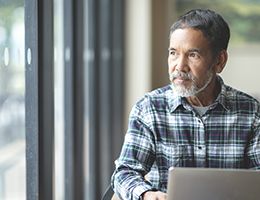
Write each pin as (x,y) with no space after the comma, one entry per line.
(136,158)
(253,152)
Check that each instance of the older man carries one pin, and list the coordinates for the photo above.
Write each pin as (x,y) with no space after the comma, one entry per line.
(196,121)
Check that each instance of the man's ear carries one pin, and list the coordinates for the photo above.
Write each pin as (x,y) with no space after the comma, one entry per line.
(221,61)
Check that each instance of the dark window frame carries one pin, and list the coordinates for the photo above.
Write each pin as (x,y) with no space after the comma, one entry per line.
(39,99)
(105,90)
(74,99)
(93,106)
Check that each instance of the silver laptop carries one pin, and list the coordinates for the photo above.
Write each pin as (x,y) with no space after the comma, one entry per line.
(213,184)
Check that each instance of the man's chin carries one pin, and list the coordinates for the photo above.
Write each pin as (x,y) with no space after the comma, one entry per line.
(182,91)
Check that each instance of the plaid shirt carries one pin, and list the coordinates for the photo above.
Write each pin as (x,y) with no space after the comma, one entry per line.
(165,130)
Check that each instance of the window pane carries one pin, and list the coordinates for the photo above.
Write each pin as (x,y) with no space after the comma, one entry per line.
(59,100)
(12,101)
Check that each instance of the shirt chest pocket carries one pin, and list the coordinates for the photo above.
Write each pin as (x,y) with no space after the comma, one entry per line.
(226,156)
(176,155)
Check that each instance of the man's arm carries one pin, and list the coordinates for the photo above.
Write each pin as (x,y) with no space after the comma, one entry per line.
(136,159)
(253,152)
(154,195)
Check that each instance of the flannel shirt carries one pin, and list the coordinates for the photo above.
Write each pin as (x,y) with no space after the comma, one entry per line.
(165,130)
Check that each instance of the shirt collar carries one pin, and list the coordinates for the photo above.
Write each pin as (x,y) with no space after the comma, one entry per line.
(175,101)
(222,98)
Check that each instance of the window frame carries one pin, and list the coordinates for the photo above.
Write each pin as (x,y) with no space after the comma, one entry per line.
(104,46)
(39,99)
(92,28)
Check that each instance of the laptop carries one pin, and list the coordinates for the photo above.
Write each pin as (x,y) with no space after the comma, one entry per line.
(213,184)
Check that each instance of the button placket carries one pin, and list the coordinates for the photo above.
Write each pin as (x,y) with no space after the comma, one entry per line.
(200,148)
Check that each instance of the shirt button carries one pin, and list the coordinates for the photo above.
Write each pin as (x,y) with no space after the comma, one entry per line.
(199,147)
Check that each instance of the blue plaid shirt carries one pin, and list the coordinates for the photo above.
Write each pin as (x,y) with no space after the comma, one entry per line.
(165,130)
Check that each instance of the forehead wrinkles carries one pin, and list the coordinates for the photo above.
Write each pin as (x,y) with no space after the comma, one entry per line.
(188,39)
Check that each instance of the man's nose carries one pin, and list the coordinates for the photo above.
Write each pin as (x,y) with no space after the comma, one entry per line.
(181,64)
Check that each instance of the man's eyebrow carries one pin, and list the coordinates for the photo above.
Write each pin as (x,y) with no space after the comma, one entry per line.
(195,50)
(171,48)
(190,50)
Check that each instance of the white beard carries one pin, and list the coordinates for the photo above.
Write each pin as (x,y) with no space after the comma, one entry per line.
(194,89)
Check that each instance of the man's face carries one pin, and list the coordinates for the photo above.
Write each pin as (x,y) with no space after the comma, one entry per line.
(190,62)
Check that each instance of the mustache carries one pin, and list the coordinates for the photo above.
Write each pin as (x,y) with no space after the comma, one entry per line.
(183,75)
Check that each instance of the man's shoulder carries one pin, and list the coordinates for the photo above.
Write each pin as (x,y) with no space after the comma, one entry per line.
(238,95)
(241,99)
(159,92)
(156,97)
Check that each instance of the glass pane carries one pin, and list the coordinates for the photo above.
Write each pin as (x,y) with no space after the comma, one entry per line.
(12,101)
(243,17)
(59,100)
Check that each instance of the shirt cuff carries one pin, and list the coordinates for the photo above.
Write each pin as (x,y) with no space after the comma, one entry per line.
(140,189)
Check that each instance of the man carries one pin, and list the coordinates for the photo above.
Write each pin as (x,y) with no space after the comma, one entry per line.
(197,121)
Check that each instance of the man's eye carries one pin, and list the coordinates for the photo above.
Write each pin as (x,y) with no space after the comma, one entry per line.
(194,55)
(172,52)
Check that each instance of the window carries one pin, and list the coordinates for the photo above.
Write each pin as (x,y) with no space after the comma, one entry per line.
(12,101)
(59,100)
(61,63)
(104,86)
